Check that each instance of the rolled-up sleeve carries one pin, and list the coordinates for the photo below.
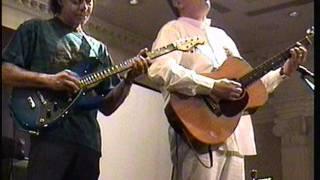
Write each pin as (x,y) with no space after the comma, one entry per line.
(272,79)
(167,71)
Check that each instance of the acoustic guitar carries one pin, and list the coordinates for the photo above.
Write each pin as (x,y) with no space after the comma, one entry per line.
(204,120)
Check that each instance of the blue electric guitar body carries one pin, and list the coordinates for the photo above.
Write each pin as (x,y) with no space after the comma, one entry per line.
(35,109)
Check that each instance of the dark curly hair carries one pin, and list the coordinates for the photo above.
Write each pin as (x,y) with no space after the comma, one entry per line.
(174,9)
(55,7)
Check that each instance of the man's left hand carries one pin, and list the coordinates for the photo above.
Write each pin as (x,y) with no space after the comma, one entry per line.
(298,56)
(139,66)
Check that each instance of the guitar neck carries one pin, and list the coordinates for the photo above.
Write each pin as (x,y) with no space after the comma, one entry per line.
(93,79)
(271,64)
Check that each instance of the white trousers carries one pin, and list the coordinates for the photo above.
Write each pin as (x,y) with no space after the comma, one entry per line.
(226,165)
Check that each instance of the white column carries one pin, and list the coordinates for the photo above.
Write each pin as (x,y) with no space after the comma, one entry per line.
(294,124)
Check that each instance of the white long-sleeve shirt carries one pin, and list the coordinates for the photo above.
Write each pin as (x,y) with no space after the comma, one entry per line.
(180,72)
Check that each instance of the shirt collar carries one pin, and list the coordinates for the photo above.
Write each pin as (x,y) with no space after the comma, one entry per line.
(197,23)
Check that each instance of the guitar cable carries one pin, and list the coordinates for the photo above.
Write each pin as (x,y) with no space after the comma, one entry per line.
(196,154)
(177,158)
(17,152)
(193,150)
(175,164)
(11,170)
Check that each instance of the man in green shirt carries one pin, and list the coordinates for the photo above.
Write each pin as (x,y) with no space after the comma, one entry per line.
(38,56)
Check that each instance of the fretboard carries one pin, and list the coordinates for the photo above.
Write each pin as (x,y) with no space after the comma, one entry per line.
(91,80)
(271,64)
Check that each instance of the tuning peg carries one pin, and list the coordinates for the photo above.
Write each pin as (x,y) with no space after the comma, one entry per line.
(310,30)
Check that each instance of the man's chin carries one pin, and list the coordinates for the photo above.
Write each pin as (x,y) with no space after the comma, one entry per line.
(83,21)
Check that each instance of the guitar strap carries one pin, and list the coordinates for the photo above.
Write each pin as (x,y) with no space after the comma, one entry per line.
(87,38)
(97,101)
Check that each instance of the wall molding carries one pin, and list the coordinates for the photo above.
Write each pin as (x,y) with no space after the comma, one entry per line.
(16,12)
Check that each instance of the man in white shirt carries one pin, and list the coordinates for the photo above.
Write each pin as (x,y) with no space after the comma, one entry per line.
(180,72)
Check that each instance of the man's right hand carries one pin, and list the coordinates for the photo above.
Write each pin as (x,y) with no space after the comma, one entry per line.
(227,89)
(64,81)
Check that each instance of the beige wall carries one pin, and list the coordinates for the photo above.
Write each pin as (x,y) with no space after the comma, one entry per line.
(134,139)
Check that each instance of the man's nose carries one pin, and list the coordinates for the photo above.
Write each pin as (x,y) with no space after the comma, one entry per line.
(84,6)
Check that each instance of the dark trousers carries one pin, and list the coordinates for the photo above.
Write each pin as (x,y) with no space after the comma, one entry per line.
(50,160)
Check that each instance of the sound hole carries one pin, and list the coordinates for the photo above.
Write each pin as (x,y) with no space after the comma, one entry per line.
(231,108)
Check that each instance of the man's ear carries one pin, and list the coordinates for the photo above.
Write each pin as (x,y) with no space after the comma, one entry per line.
(60,2)
(177,3)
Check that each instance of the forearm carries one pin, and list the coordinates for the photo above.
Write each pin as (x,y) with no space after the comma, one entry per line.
(115,98)
(272,80)
(175,77)
(15,76)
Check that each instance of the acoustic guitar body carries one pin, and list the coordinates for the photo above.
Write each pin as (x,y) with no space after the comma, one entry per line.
(205,120)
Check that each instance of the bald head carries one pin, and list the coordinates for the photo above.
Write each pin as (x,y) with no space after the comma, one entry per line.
(196,9)
(173,8)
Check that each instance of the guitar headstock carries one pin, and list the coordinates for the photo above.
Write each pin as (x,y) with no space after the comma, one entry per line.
(310,35)
(310,31)
(188,44)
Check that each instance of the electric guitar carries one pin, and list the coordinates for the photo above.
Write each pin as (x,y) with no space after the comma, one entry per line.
(38,109)
(204,120)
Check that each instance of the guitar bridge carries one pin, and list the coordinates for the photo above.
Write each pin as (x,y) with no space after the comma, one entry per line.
(213,106)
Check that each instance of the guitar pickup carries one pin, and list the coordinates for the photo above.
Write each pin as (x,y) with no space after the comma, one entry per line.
(31,102)
(43,101)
